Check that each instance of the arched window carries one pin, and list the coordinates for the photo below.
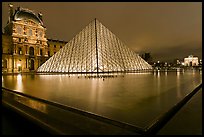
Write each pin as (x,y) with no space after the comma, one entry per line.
(32,64)
(4,63)
(20,51)
(31,51)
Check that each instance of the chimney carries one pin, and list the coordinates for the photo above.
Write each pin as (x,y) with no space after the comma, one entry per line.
(10,12)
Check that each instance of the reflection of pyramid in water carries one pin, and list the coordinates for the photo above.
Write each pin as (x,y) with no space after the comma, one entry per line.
(94,49)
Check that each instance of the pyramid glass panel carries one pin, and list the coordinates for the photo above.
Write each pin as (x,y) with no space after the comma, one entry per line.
(94,49)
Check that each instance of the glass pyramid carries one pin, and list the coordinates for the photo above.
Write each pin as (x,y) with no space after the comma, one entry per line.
(94,49)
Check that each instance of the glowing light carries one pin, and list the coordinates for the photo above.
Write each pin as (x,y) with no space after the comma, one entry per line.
(166,72)
(19,86)
(191,61)
(94,49)
(178,73)
(18,65)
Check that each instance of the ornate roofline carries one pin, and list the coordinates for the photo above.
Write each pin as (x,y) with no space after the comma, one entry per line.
(20,9)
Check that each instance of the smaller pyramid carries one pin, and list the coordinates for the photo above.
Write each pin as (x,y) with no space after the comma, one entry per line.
(93,50)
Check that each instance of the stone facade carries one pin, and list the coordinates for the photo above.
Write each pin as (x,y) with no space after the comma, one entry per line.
(24,43)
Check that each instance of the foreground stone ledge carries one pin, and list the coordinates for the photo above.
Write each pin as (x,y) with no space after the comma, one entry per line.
(58,119)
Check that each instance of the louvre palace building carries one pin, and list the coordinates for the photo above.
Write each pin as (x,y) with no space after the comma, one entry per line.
(24,43)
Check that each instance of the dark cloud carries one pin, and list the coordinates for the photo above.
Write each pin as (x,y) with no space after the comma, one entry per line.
(167,30)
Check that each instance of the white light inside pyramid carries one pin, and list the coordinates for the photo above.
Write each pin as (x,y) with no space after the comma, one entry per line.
(94,49)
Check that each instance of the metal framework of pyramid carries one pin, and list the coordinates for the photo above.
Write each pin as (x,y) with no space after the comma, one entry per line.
(93,50)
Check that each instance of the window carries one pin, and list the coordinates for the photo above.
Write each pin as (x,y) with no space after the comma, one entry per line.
(40,34)
(20,51)
(30,32)
(19,29)
(41,52)
(48,53)
(31,51)
(31,64)
(4,63)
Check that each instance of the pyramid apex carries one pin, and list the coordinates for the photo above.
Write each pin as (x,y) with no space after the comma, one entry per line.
(95,19)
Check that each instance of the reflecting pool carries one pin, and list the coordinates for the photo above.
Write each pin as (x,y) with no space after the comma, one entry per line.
(134,98)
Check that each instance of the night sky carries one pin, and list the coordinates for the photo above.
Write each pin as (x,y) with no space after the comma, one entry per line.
(166,30)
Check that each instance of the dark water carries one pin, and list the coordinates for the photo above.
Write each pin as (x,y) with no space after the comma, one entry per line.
(137,99)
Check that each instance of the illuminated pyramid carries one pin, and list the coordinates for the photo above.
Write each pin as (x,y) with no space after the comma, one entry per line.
(95,49)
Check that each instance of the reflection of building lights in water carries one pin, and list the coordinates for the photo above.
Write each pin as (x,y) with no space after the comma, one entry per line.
(19,78)
(37,105)
(19,85)
(178,73)
(193,71)
(178,85)
(158,73)
(166,73)
(2,79)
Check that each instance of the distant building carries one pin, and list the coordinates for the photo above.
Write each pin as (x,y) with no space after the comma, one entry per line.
(24,43)
(191,61)
(54,46)
(147,57)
